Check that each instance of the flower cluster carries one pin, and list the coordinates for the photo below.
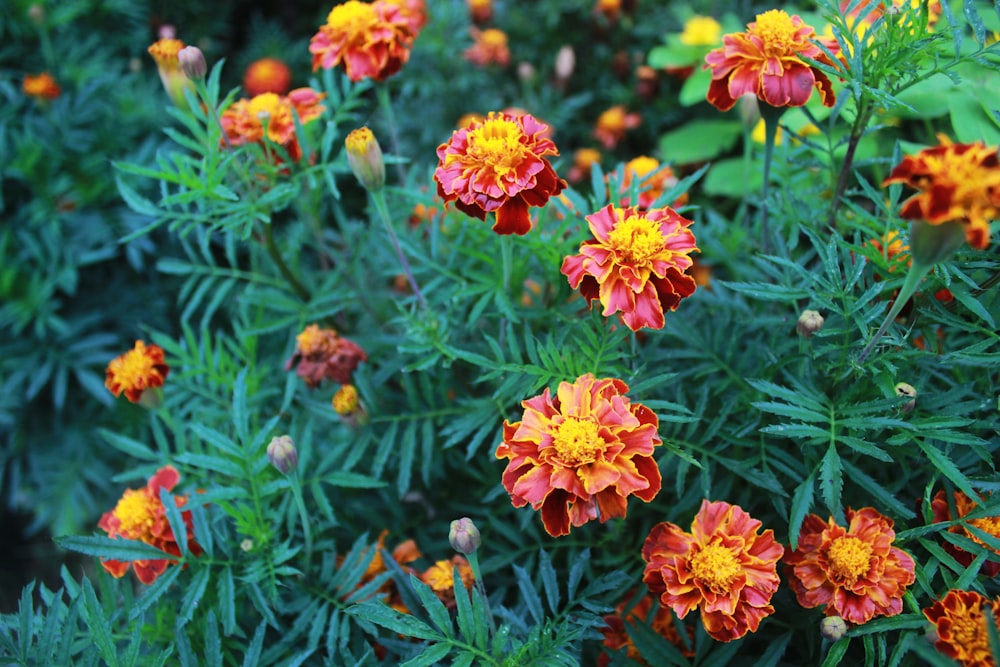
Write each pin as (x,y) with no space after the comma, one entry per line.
(371,40)
(322,354)
(987,524)
(244,122)
(140,516)
(579,455)
(137,370)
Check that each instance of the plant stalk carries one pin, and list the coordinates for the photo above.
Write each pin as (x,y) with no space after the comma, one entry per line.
(272,250)
(383,211)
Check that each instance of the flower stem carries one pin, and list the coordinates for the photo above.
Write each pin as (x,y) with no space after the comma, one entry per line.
(293,480)
(913,278)
(382,93)
(857,131)
(383,211)
(473,559)
(770,115)
(272,250)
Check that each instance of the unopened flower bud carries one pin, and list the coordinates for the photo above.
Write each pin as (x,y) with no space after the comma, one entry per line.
(193,63)
(525,71)
(832,628)
(282,455)
(365,157)
(749,110)
(464,536)
(246,545)
(810,321)
(903,389)
(565,62)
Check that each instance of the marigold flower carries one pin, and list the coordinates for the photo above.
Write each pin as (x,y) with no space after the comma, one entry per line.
(636,263)
(490,48)
(616,636)
(701,31)
(957,183)
(499,165)
(964,506)
(855,571)
(140,516)
(364,155)
(440,577)
(480,11)
(267,75)
(767,60)
(165,52)
(579,455)
(584,160)
(323,354)
(371,40)
(653,178)
(414,11)
(724,565)
(244,121)
(612,125)
(41,86)
(960,620)
(137,370)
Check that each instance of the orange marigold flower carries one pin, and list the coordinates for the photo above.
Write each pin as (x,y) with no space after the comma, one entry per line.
(175,82)
(480,11)
(579,455)
(612,125)
(957,182)
(371,40)
(616,636)
(767,60)
(267,75)
(323,354)
(137,370)
(440,577)
(960,620)
(855,571)
(140,516)
(244,121)
(584,160)
(636,263)
(964,506)
(499,165)
(414,11)
(724,565)
(41,86)
(490,47)
(653,179)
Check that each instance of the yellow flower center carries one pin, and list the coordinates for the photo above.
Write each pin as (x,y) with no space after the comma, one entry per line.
(637,239)
(133,368)
(493,39)
(849,558)
(497,143)
(165,52)
(354,19)
(776,30)
(313,340)
(267,103)
(577,441)
(701,31)
(716,567)
(135,511)
(968,630)
(642,165)
(612,120)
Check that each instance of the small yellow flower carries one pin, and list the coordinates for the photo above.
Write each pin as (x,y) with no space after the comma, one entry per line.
(701,31)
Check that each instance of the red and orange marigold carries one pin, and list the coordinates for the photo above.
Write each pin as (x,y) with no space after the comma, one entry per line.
(957,183)
(41,86)
(371,40)
(322,354)
(963,507)
(613,123)
(137,370)
(616,634)
(635,264)
(140,516)
(499,165)
(267,75)
(414,11)
(724,565)
(960,619)
(489,48)
(579,455)
(653,178)
(244,121)
(767,61)
(854,572)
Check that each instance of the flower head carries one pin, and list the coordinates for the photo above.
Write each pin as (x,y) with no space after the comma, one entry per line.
(701,31)
(584,160)
(414,11)
(767,60)
(490,48)
(960,619)
(854,571)
(724,565)
(245,120)
(964,506)
(165,52)
(140,516)
(364,155)
(192,62)
(323,354)
(612,125)
(440,577)
(41,86)
(635,264)
(137,370)
(499,164)
(956,183)
(653,179)
(616,635)
(267,75)
(579,455)
(371,40)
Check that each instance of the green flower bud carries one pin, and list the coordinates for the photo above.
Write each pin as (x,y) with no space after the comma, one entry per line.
(282,455)
(464,536)
(193,63)
(810,321)
(832,628)
(365,157)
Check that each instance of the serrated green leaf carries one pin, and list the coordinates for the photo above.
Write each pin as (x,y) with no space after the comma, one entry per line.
(435,609)
(112,548)
(154,592)
(831,480)
(528,594)
(384,616)
(195,590)
(431,655)
(100,628)
(802,501)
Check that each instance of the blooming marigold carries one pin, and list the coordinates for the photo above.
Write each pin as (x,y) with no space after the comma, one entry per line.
(490,48)
(612,125)
(635,264)
(371,40)
(724,565)
(854,571)
(244,121)
(701,31)
(41,86)
(322,354)
(140,516)
(581,454)
(414,11)
(767,60)
(584,160)
(267,75)
(137,370)
(165,52)
(440,577)
(957,183)
(988,524)
(498,164)
(960,620)
(616,636)
(653,179)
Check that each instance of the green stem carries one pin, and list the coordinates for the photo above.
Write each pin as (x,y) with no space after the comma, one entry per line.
(770,115)
(293,480)
(913,278)
(473,559)
(857,131)
(272,250)
(382,93)
(378,197)
(506,261)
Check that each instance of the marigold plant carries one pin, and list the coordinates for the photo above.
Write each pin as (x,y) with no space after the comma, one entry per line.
(489,48)
(613,124)
(267,75)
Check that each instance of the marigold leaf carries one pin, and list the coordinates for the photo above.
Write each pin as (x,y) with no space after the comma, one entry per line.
(831,480)
(384,616)
(252,657)
(432,654)
(528,594)
(802,501)
(154,592)
(111,548)
(100,627)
